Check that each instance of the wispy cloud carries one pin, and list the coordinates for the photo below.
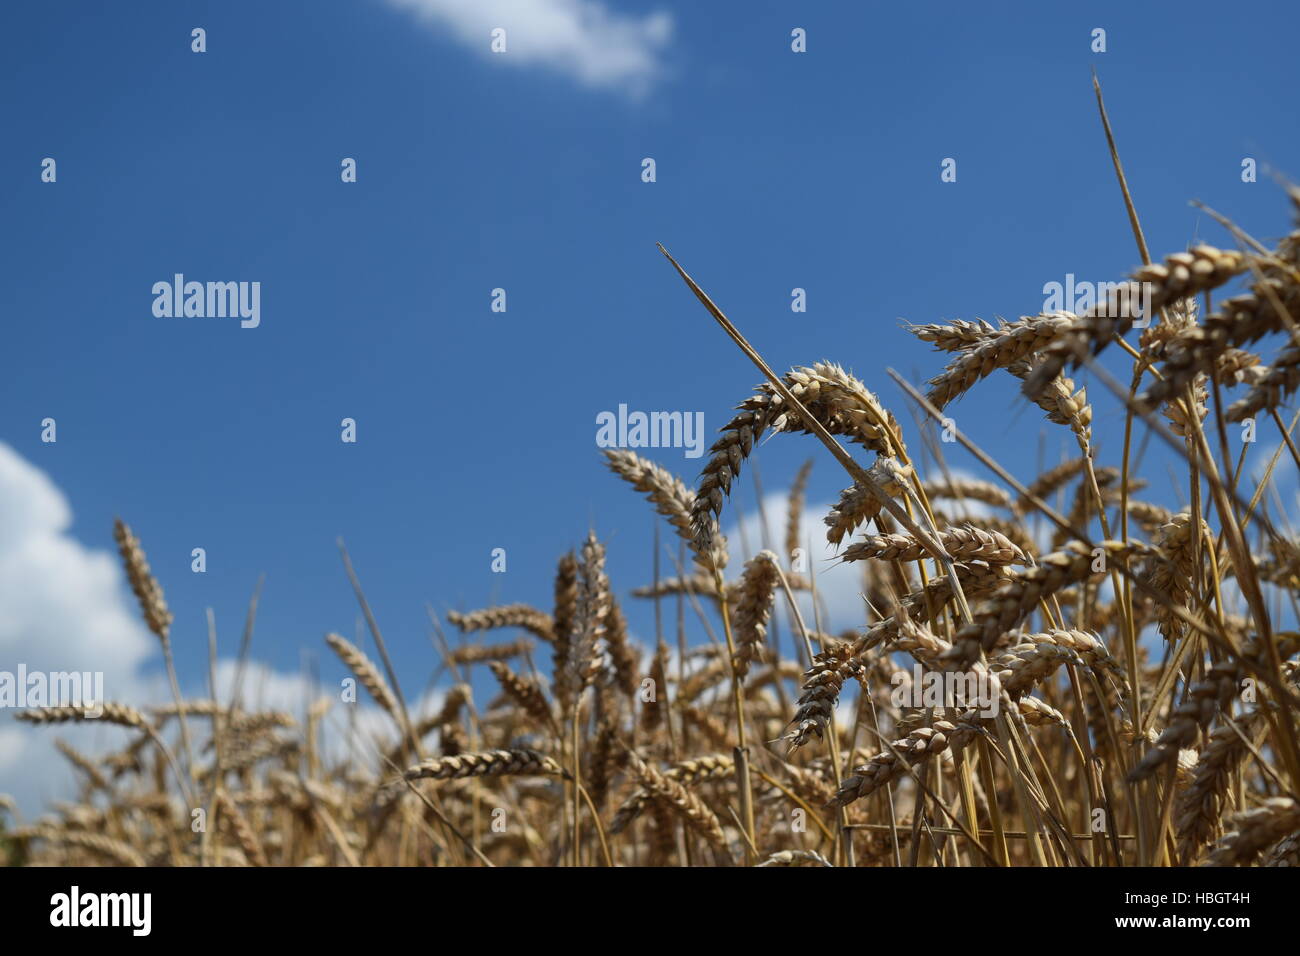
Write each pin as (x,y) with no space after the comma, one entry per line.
(584,39)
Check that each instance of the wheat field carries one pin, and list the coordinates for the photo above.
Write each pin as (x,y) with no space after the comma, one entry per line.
(1144,680)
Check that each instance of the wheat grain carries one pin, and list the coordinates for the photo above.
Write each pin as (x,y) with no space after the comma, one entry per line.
(968,489)
(965,543)
(566,609)
(524,692)
(673,795)
(1013,342)
(753,608)
(860,504)
(365,671)
(109,712)
(913,750)
(489,763)
(794,509)
(146,587)
(1182,275)
(506,615)
(1254,831)
(671,498)
(484,653)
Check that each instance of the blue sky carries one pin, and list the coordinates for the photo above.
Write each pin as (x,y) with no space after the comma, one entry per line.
(476,429)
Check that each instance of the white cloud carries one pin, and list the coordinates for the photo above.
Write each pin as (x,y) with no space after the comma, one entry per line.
(583,39)
(63,607)
(66,607)
(839,585)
